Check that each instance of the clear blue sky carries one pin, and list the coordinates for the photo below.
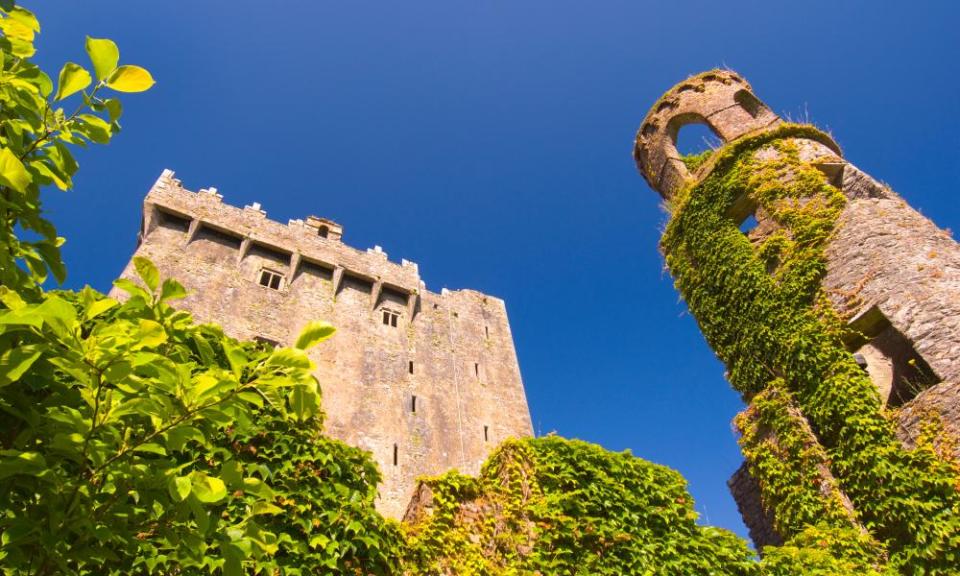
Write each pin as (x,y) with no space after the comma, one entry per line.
(490,142)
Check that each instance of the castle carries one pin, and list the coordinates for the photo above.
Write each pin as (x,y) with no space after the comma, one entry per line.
(835,307)
(426,382)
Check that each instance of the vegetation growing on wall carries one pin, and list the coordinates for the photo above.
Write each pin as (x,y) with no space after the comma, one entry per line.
(762,309)
(556,506)
(135,441)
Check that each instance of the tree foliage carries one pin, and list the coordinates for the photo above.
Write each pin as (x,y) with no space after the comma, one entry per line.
(133,439)
(37,132)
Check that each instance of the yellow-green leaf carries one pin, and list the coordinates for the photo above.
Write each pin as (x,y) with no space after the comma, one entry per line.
(208,489)
(304,402)
(290,358)
(73,78)
(15,361)
(104,55)
(129,78)
(15,462)
(147,272)
(151,333)
(313,333)
(180,487)
(12,172)
(265,508)
(99,307)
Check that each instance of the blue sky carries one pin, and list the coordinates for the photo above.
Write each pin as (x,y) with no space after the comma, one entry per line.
(490,142)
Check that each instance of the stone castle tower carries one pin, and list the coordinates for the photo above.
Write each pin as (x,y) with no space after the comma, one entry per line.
(882,274)
(426,382)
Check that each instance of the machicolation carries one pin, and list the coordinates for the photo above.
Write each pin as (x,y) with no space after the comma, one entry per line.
(427,382)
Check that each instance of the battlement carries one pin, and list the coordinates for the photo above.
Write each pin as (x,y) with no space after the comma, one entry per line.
(314,242)
(425,381)
(719,99)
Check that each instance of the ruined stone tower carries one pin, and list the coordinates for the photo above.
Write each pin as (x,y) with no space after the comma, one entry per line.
(836,309)
(427,382)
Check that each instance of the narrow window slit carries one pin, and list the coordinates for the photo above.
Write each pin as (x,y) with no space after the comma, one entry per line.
(410,366)
(486,433)
(413,404)
(395,454)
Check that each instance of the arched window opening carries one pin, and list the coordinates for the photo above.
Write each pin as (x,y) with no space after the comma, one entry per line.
(323,231)
(694,140)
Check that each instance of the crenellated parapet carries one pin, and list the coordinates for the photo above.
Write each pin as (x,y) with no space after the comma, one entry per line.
(720,99)
(425,381)
(299,243)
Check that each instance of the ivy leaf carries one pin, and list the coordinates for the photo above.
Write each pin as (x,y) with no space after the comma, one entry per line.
(73,78)
(147,272)
(314,333)
(265,508)
(12,171)
(104,55)
(130,78)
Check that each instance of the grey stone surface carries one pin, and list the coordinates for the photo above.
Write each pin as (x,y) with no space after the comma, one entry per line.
(891,273)
(465,375)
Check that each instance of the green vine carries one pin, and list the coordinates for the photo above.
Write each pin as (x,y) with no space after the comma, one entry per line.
(760,305)
(556,506)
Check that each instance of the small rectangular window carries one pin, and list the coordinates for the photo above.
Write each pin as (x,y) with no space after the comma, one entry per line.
(271,279)
(486,433)
(487,329)
(395,454)
(476,369)
(390,318)
(410,367)
(413,403)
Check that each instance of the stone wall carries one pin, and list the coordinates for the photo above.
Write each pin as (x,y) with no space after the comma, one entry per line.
(891,273)
(758,519)
(436,391)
